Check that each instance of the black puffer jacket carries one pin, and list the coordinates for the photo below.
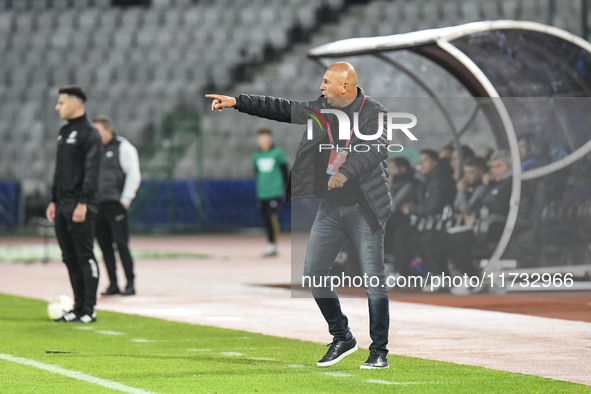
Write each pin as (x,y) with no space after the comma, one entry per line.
(437,191)
(496,198)
(404,189)
(308,173)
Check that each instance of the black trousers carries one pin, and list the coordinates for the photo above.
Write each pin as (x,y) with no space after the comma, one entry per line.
(112,228)
(269,209)
(396,221)
(76,241)
(459,249)
(429,245)
(406,247)
(433,251)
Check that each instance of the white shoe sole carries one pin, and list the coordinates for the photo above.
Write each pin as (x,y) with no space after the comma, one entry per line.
(336,360)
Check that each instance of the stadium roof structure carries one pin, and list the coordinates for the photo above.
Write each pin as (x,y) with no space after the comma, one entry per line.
(502,60)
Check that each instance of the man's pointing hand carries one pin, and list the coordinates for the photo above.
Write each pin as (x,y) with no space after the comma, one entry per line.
(220,101)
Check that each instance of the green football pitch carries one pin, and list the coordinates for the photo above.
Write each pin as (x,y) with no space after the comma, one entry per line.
(134,354)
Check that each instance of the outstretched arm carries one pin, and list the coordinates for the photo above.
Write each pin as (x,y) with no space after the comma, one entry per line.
(274,108)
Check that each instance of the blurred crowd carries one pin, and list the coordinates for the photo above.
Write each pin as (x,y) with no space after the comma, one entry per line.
(446,218)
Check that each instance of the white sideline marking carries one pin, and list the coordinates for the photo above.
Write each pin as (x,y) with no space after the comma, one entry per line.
(140,340)
(84,328)
(337,374)
(390,382)
(109,332)
(231,354)
(73,374)
(199,350)
(296,365)
(261,359)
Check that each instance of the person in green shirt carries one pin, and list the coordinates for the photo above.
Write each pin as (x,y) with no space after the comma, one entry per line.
(270,166)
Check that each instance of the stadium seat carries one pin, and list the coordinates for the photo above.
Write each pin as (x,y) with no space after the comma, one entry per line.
(102,3)
(20,5)
(178,47)
(60,4)
(490,9)
(510,9)
(450,13)
(470,12)
(431,12)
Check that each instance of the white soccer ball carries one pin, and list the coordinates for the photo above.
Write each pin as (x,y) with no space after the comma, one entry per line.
(59,306)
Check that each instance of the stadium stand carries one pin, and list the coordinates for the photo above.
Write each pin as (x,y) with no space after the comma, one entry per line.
(297,77)
(141,63)
(137,64)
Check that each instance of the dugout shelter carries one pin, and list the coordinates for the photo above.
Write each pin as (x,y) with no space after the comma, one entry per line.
(522,78)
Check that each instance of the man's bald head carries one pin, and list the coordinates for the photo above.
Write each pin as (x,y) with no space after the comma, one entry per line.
(339,81)
(346,73)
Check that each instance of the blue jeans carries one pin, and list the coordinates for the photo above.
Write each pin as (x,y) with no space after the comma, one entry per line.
(333,227)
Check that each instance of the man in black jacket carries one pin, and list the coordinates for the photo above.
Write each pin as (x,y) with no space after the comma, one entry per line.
(356,197)
(73,204)
(470,188)
(404,187)
(437,191)
(494,201)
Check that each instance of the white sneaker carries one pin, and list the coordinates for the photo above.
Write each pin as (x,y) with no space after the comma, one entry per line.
(271,250)
(460,291)
(70,316)
(465,290)
(67,317)
(428,288)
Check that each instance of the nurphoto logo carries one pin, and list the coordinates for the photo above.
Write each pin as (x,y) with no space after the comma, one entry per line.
(346,131)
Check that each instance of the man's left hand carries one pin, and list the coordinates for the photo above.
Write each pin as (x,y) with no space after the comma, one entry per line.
(405,208)
(79,215)
(336,181)
(470,220)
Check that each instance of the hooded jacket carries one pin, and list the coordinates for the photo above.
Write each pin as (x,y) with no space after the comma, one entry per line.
(308,173)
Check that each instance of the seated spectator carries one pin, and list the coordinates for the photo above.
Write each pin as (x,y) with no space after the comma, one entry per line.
(486,153)
(404,187)
(495,200)
(403,183)
(437,191)
(470,188)
(447,151)
(533,152)
(467,153)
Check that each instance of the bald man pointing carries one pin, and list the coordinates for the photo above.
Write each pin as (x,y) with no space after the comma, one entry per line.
(353,183)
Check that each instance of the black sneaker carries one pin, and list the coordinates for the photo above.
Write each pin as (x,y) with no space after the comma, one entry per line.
(376,360)
(68,317)
(337,351)
(112,290)
(129,290)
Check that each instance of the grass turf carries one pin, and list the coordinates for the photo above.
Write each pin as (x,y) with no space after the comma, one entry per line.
(168,357)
